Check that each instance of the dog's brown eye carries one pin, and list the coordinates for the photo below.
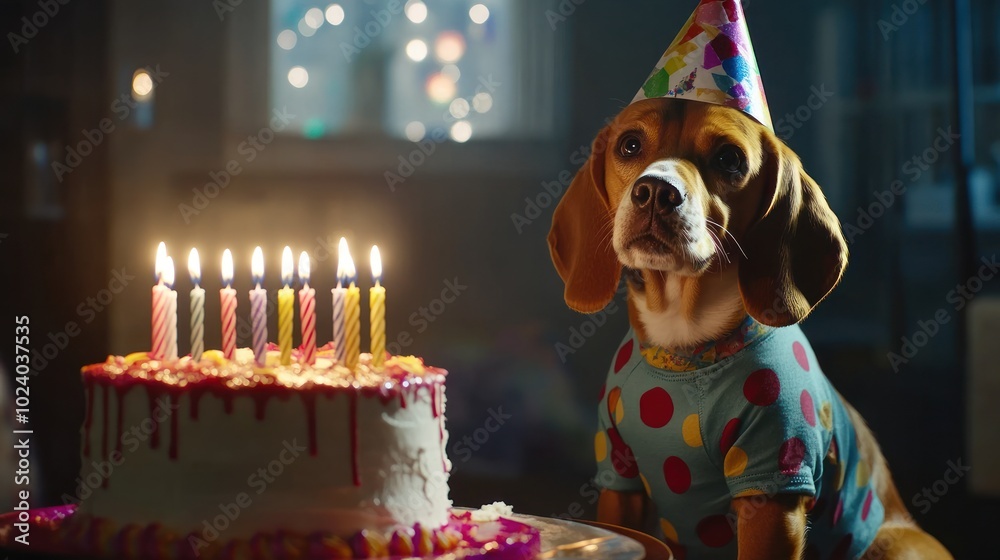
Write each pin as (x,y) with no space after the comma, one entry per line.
(630,145)
(730,160)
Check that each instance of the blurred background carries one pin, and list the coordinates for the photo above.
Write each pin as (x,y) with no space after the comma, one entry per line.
(445,131)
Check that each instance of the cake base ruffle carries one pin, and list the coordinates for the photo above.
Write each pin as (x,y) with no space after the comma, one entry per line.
(59,530)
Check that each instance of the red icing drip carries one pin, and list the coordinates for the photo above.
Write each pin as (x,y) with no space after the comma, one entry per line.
(154,437)
(120,399)
(195,396)
(227,403)
(402,398)
(438,406)
(434,402)
(354,438)
(104,422)
(309,400)
(260,404)
(173,425)
(88,420)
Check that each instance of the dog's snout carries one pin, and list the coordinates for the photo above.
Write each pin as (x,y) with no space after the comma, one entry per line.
(653,191)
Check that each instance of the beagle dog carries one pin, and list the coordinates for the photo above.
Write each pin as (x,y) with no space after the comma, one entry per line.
(715,411)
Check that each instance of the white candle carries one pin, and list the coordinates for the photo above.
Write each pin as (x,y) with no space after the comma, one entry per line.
(168,279)
(197,307)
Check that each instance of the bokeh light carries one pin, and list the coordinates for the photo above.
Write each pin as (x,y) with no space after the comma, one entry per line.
(298,77)
(461,131)
(449,47)
(416,50)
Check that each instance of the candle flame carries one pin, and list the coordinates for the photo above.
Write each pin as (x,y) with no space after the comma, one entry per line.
(227,268)
(343,255)
(168,272)
(304,268)
(161,254)
(286,266)
(257,266)
(194,266)
(376,263)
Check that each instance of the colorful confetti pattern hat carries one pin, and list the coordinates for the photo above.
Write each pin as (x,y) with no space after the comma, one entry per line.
(711,60)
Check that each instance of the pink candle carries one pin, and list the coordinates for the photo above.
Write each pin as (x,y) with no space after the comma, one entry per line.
(307,312)
(339,293)
(159,323)
(228,298)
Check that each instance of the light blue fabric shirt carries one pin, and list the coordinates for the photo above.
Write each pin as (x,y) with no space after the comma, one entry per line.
(762,421)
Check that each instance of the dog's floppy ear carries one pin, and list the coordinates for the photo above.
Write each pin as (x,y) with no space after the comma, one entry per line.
(795,252)
(580,238)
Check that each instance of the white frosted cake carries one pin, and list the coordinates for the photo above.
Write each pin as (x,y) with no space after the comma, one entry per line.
(212,458)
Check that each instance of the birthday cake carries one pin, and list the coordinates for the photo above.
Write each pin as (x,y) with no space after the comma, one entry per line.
(210,458)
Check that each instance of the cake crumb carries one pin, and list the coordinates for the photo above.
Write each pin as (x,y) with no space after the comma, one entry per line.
(492,512)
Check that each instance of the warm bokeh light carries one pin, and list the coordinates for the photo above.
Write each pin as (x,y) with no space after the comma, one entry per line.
(335,14)
(257,266)
(314,18)
(345,264)
(482,102)
(452,72)
(287,39)
(287,270)
(161,257)
(461,131)
(459,108)
(194,266)
(415,131)
(479,13)
(440,88)
(416,50)
(376,264)
(298,77)
(416,11)
(227,268)
(168,272)
(142,84)
(449,47)
(304,268)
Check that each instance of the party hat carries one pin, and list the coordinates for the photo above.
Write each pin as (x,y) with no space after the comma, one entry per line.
(711,60)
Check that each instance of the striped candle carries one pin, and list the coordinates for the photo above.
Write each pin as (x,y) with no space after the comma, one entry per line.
(376,304)
(352,315)
(170,349)
(258,309)
(197,307)
(286,308)
(339,293)
(159,323)
(227,296)
(307,312)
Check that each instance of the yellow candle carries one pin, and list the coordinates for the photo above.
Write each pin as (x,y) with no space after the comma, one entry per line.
(376,301)
(352,317)
(286,308)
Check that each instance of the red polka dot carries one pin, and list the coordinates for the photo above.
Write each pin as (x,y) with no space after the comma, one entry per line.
(800,355)
(790,456)
(677,474)
(840,552)
(622,458)
(624,355)
(838,511)
(867,508)
(715,531)
(603,389)
(729,435)
(808,408)
(762,387)
(656,407)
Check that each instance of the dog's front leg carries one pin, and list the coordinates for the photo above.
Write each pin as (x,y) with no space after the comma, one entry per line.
(771,528)
(625,509)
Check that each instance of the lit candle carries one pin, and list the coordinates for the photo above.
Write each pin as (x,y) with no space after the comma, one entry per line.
(228,297)
(376,299)
(352,316)
(170,353)
(307,311)
(258,309)
(197,307)
(159,323)
(286,308)
(339,293)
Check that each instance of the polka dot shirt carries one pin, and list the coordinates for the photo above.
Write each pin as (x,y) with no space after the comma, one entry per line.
(761,421)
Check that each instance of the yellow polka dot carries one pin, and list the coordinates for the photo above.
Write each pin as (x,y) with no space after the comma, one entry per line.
(736,461)
(619,412)
(668,530)
(645,484)
(601,446)
(864,474)
(691,430)
(826,416)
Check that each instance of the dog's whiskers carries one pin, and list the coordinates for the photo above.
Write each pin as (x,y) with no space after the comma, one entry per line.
(727,232)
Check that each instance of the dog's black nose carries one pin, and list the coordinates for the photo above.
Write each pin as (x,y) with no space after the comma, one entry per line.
(654,191)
